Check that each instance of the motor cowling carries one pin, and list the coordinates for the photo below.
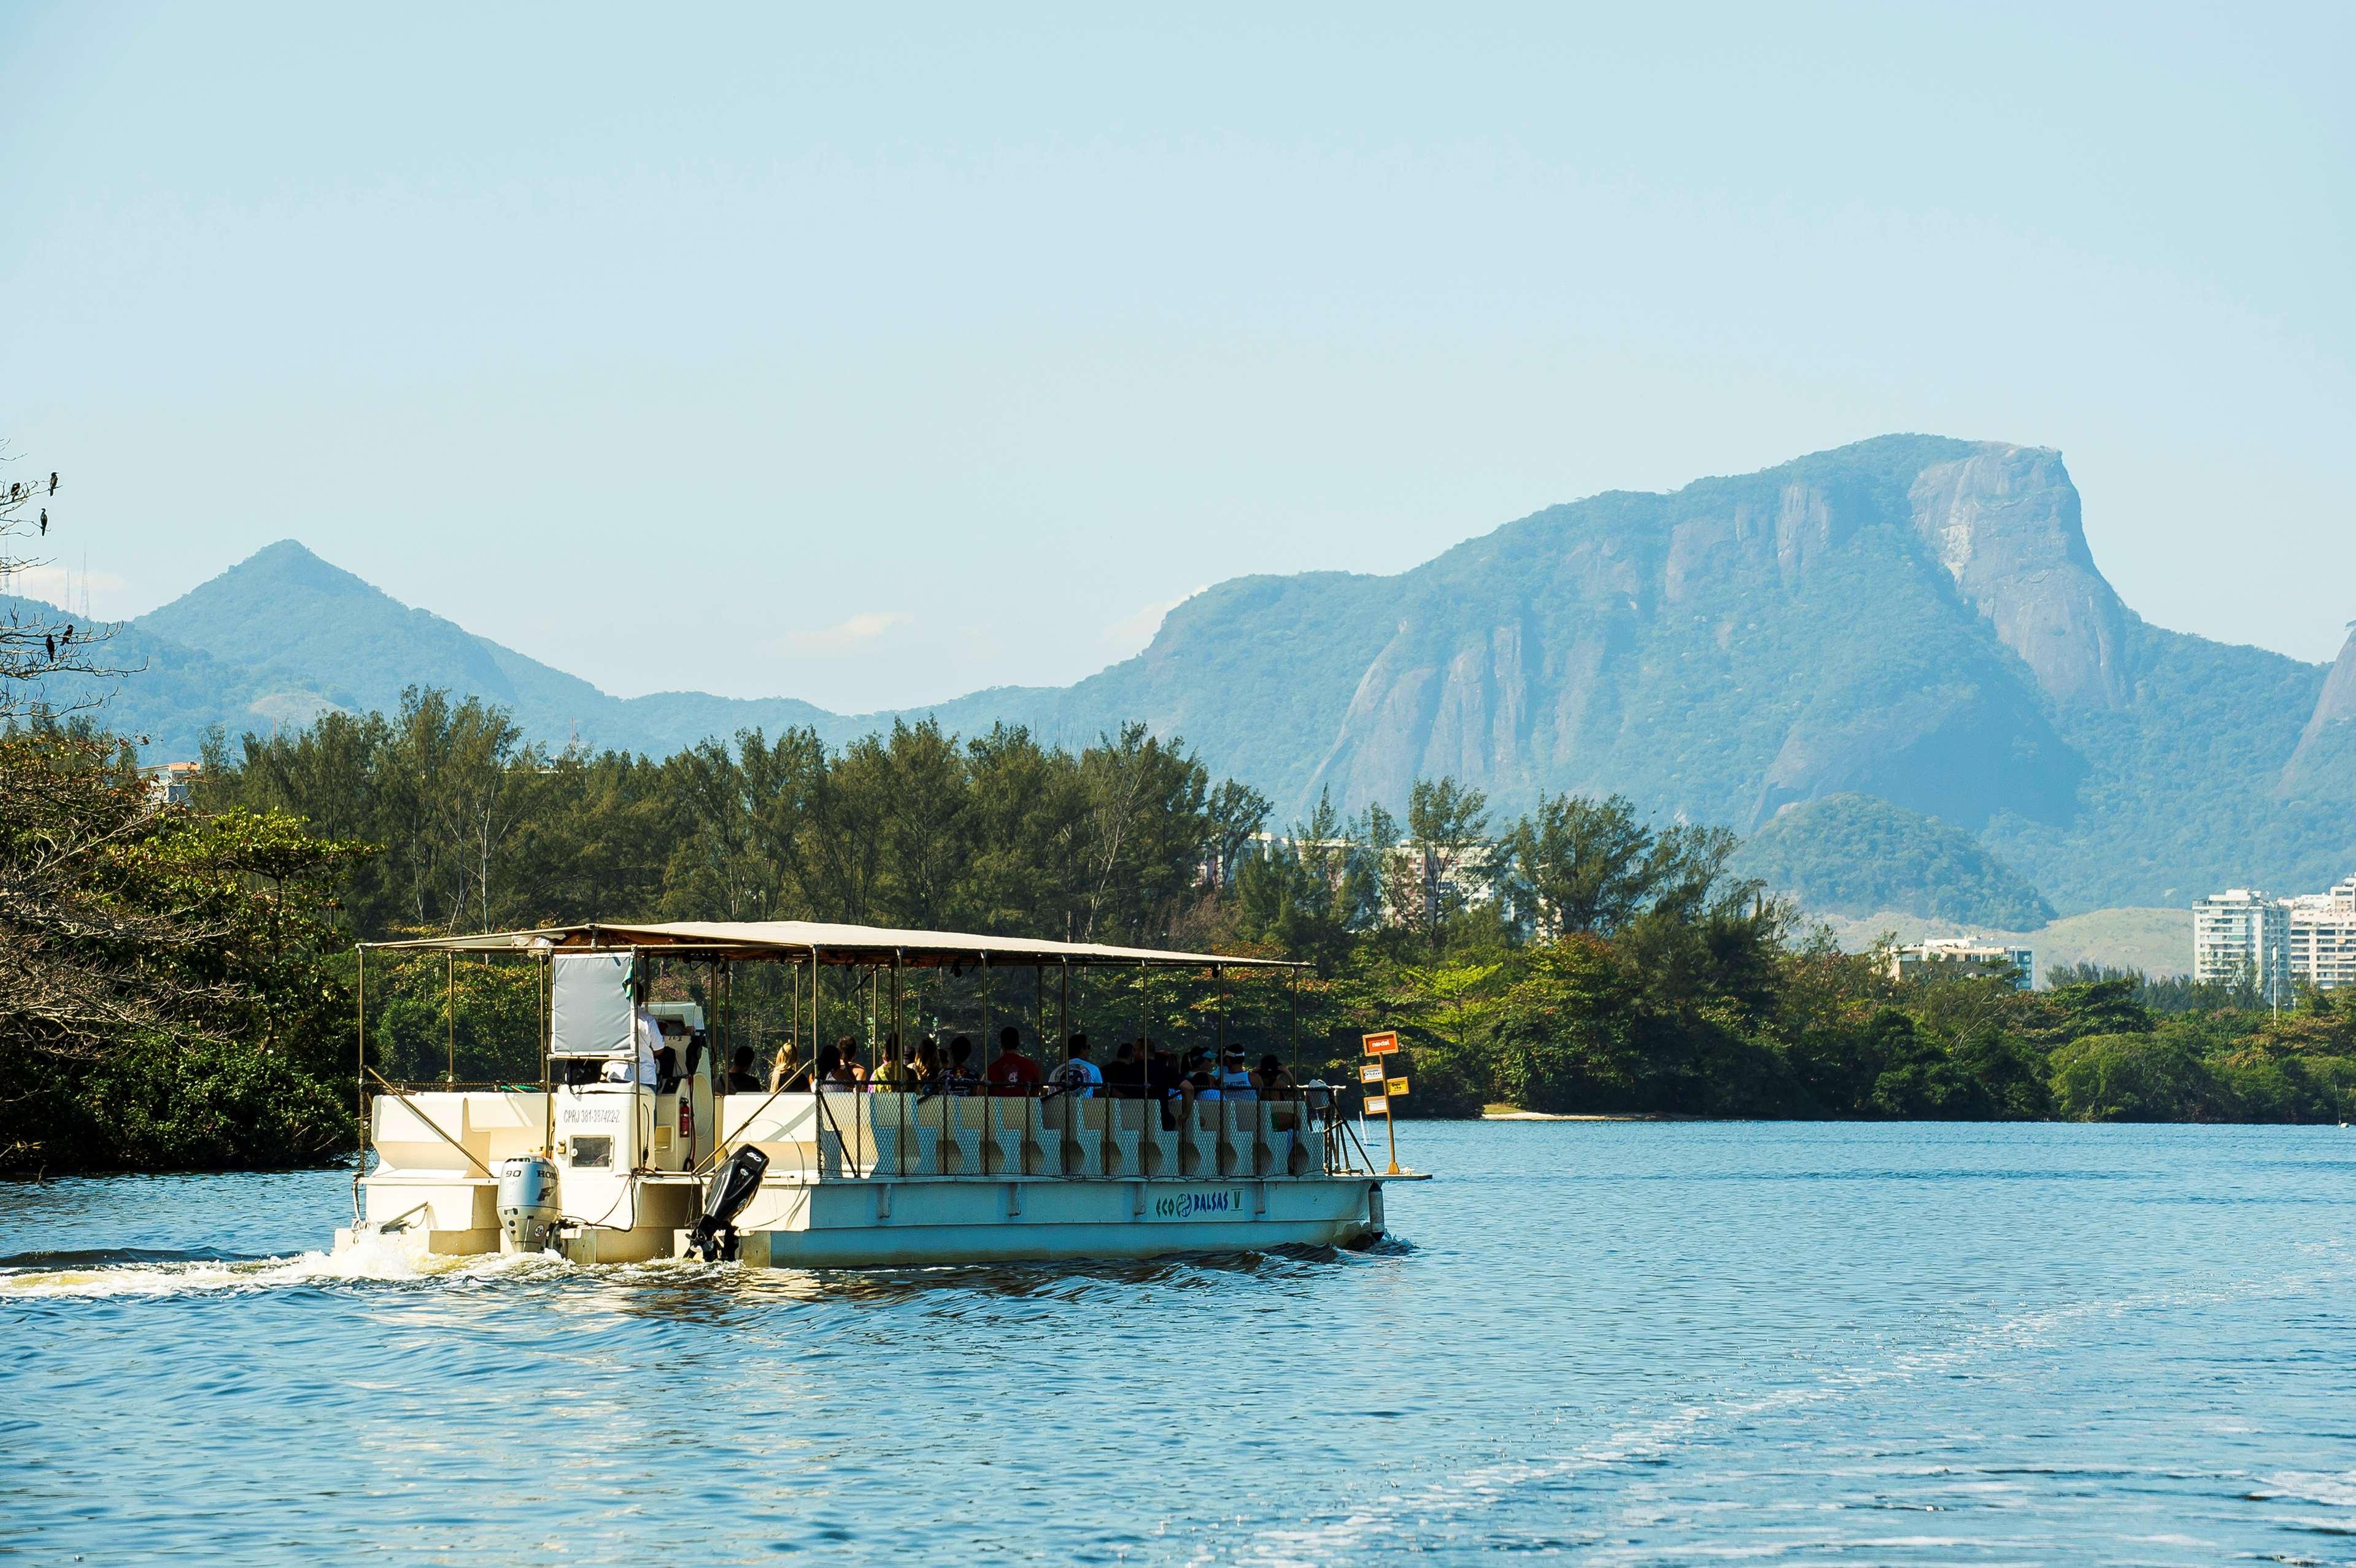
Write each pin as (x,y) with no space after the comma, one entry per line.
(732,1186)
(527,1201)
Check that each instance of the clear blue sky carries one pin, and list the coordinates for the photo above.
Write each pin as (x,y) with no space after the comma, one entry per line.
(872,360)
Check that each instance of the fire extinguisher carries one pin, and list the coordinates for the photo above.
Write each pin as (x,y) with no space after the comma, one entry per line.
(687,1120)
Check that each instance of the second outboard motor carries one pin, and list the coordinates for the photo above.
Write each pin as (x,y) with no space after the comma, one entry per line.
(732,1186)
(528,1207)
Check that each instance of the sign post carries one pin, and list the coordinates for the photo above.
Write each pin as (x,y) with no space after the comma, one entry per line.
(1381,1089)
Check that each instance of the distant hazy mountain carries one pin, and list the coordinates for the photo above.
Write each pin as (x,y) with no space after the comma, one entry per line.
(1913,618)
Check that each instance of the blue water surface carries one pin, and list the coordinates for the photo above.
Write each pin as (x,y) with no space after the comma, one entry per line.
(1619,1342)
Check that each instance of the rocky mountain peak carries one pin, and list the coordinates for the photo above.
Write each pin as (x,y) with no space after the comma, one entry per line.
(2005,524)
(2321,767)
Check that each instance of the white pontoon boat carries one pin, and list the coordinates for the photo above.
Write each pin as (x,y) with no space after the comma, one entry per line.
(602,1167)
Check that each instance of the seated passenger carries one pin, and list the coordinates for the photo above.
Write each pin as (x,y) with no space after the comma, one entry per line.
(892,1071)
(1275,1082)
(1012,1072)
(787,1071)
(1078,1076)
(1235,1079)
(1125,1075)
(742,1078)
(846,1073)
(957,1079)
(1161,1072)
(928,1066)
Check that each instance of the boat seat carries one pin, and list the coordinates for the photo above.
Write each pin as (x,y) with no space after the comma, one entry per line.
(1127,1117)
(1158,1140)
(1198,1139)
(1041,1152)
(1075,1135)
(960,1140)
(1239,1122)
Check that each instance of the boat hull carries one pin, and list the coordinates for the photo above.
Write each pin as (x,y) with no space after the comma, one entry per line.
(916,1224)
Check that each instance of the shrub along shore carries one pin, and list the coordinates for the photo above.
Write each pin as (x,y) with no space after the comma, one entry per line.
(182,987)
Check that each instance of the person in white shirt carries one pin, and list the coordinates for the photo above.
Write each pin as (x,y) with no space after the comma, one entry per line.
(1079,1077)
(650,1035)
(1235,1080)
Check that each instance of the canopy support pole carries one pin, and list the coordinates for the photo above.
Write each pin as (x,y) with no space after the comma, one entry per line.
(359,1076)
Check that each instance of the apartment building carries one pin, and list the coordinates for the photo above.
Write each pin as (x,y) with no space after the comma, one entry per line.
(2322,937)
(2241,936)
(1943,958)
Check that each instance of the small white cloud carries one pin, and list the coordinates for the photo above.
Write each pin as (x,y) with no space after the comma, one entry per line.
(1136,629)
(862,628)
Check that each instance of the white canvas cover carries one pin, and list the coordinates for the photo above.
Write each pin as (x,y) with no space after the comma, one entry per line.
(590,1008)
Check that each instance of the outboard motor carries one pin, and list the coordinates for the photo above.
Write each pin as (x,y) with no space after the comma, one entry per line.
(732,1186)
(528,1207)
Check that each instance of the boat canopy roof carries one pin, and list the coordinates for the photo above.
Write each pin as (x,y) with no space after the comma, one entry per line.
(831,944)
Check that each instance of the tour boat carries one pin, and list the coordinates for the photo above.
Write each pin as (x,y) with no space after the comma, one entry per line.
(596,1167)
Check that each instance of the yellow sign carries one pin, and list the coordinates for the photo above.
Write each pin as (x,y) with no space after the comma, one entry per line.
(1370,1072)
(1376,1105)
(1382,1045)
(1396,1085)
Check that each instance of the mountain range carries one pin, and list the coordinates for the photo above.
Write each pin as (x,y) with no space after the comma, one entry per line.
(1914,620)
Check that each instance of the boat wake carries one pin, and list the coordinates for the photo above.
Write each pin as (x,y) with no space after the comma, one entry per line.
(135,1272)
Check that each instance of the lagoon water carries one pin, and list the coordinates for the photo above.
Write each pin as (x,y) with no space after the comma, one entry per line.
(1621,1343)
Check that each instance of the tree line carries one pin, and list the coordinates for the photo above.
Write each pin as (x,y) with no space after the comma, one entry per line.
(194,1003)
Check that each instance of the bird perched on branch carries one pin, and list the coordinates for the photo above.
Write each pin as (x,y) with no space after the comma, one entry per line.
(69,636)
(45,522)
(49,644)
(53,481)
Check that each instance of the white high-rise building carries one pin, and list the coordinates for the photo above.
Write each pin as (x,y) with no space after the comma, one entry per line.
(2242,937)
(2323,937)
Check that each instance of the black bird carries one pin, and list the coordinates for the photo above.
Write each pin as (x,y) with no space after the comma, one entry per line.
(45,522)
(53,481)
(50,643)
(16,492)
(69,636)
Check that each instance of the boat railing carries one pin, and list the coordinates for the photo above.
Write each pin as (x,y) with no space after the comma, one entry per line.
(855,1132)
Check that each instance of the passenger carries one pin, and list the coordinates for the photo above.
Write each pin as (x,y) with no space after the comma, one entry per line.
(742,1078)
(893,1072)
(1012,1072)
(847,1057)
(1125,1074)
(843,1055)
(786,1071)
(959,1078)
(928,1066)
(1275,1082)
(1163,1081)
(1161,1073)
(821,1072)
(1235,1080)
(666,1069)
(649,1039)
(1078,1076)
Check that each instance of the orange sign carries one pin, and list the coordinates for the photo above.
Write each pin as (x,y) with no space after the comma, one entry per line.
(1370,1072)
(1395,1087)
(1382,1045)
(1376,1105)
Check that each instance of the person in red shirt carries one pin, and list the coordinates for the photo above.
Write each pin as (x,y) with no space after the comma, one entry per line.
(1013,1072)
